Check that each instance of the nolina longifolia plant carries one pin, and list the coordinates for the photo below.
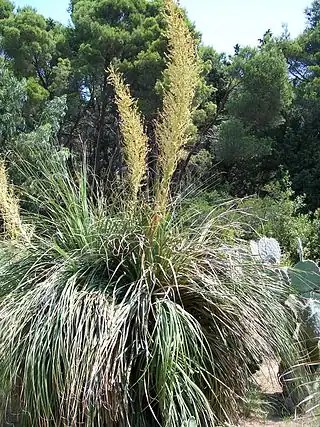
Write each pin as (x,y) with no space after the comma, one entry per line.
(103,323)
(174,125)
(9,207)
(134,137)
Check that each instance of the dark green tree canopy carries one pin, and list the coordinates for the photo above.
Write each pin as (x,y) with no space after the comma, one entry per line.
(313,13)
(13,95)
(259,104)
(264,90)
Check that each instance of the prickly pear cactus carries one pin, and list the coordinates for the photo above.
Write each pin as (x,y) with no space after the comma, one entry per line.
(314,305)
(267,249)
(305,305)
(190,423)
(305,278)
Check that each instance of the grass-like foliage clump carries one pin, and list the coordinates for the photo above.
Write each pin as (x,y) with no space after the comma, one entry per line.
(105,324)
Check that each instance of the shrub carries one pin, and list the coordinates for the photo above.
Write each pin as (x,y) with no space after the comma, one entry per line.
(279,214)
(105,321)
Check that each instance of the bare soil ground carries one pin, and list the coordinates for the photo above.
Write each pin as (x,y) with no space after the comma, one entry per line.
(276,413)
(285,423)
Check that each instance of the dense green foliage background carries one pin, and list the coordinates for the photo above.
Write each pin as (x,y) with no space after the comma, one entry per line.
(256,128)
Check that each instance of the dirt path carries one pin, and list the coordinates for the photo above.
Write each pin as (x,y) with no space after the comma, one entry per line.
(285,423)
(274,415)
